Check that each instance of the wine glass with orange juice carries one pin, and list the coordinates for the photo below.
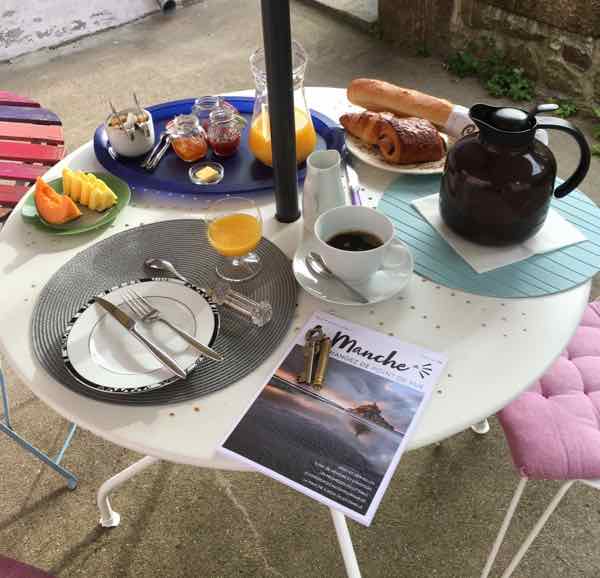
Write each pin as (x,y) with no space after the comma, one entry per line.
(234,231)
(259,135)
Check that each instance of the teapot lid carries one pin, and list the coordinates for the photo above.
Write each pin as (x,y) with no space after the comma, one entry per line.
(505,126)
(510,119)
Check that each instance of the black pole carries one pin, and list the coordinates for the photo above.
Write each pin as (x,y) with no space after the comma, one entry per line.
(278,58)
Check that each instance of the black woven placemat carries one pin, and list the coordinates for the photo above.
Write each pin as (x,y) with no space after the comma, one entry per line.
(120,258)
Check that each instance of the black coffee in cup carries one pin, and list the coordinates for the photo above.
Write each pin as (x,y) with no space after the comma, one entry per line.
(355,241)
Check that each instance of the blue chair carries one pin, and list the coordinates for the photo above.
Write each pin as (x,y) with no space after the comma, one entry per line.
(6,427)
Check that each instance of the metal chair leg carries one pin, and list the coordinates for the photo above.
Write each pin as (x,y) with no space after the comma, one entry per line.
(345,541)
(504,527)
(537,528)
(108,517)
(6,427)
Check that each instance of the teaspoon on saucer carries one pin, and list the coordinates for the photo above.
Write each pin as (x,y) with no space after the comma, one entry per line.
(317,266)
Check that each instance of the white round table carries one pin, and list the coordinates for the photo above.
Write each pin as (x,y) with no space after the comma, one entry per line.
(496,347)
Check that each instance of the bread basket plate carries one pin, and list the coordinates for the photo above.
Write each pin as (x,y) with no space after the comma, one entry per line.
(370,154)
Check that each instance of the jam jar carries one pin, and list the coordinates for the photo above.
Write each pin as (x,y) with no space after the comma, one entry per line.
(188,138)
(224,131)
(204,105)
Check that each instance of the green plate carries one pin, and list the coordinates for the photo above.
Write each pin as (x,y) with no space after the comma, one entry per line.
(89,219)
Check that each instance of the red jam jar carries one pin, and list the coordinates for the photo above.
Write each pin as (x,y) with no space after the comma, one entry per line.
(224,131)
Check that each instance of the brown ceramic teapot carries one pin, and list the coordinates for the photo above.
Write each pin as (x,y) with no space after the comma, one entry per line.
(497,183)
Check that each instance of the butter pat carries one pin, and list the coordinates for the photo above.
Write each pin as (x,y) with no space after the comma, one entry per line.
(207,175)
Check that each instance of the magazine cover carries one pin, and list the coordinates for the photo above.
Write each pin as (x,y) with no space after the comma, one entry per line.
(334,418)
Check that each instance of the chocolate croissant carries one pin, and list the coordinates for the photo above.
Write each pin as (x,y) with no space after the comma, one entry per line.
(366,126)
(400,140)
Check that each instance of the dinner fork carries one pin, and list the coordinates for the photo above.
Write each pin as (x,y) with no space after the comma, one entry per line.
(149,314)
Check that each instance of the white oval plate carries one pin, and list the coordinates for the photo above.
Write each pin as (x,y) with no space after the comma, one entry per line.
(370,154)
(100,353)
(384,284)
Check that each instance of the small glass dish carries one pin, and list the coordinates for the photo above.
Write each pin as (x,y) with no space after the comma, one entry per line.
(194,169)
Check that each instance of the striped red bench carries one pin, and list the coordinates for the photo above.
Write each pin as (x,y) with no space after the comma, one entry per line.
(31,141)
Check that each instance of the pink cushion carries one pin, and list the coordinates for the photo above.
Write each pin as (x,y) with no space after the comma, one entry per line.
(12,569)
(553,429)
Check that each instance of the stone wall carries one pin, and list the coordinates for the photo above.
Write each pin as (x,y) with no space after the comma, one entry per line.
(29,25)
(557,43)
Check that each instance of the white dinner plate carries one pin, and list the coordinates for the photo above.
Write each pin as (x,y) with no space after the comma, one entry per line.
(100,353)
(370,154)
(383,285)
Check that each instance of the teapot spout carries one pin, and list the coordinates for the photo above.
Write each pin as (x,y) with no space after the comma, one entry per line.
(480,114)
(502,125)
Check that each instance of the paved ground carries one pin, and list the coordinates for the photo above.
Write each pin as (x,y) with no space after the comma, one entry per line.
(445,503)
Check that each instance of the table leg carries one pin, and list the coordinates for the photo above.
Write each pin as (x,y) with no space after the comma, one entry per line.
(345,541)
(108,517)
(481,427)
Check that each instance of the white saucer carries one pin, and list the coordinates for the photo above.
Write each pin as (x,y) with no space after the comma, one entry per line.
(383,285)
(100,353)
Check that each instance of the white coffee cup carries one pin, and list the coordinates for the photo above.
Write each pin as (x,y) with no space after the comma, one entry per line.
(358,266)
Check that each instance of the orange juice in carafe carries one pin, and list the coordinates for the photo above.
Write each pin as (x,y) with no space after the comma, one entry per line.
(259,137)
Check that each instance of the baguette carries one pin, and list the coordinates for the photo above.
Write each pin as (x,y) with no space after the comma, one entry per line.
(380,96)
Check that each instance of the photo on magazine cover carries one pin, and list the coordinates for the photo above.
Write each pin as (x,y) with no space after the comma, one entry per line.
(337,439)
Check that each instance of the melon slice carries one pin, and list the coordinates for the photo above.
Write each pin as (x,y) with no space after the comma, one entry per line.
(54,208)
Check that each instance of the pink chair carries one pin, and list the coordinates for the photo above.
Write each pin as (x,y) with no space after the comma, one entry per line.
(553,429)
(12,569)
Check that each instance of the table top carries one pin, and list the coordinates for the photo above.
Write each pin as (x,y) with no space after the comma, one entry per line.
(496,348)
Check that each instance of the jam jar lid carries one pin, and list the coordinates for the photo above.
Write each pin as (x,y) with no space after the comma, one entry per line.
(205,104)
(185,125)
(222,115)
(226,116)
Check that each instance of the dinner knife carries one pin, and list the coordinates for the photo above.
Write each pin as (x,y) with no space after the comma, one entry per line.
(352,180)
(351,176)
(129,324)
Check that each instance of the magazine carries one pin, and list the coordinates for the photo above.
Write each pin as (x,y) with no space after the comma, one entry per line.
(338,442)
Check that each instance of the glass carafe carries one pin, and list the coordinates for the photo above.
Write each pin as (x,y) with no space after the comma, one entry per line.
(259,137)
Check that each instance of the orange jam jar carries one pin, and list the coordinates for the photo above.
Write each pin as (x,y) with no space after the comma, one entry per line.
(188,138)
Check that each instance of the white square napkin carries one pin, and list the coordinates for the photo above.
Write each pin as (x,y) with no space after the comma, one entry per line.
(556,233)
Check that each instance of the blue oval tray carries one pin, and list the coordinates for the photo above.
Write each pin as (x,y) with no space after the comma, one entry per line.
(243,173)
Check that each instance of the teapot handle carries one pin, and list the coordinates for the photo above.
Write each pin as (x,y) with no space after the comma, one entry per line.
(552,123)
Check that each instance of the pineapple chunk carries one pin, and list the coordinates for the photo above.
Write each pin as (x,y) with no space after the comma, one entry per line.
(88,190)
(71,184)
(84,198)
(67,176)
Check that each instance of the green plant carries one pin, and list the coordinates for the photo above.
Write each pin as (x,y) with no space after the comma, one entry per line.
(423,51)
(511,82)
(493,64)
(566,108)
(463,64)
(500,77)
(596,130)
